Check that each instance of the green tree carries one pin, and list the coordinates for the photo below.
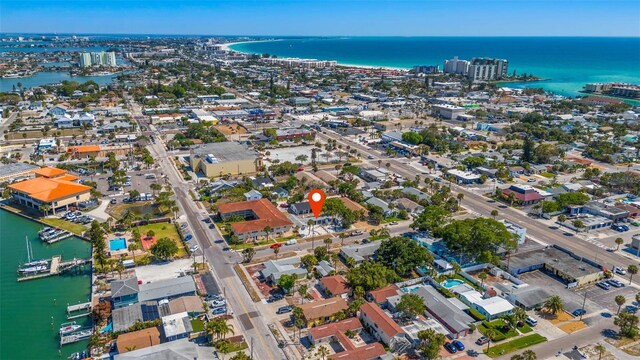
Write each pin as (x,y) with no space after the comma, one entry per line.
(411,305)
(433,217)
(601,350)
(477,237)
(490,333)
(248,254)
(403,254)
(370,276)
(309,261)
(555,304)
(494,214)
(562,218)
(482,276)
(286,282)
(240,356)
(528,150)
(619,241)
(302,291)
(132,248)
(430,343)
(620,300)
(164,249)
(628,324)
(632,270)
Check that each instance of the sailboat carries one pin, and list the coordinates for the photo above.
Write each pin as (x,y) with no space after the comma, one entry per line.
(69,327)
(32,265)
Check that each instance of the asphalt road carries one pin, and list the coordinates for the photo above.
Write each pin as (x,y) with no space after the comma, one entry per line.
(220,262)
(536,230)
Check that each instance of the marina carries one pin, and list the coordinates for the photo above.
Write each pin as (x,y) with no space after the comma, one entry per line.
(57,267)
(51,235)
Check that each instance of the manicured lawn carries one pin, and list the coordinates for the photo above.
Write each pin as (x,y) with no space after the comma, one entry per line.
(502,330)
(225,347)
(525,329)
(197,325)
(64,224)
(516,344)
(547,175)
(139,208)
(162,230)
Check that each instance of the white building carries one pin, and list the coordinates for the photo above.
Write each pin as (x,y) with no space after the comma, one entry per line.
(447,111)
(455,66)
(487,69)
(101,58)
(85,60)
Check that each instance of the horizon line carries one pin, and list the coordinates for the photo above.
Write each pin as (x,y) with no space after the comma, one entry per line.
(321,36)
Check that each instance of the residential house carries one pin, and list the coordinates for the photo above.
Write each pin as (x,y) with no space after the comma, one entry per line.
(448,311)
(381,204)
(281,192)
(301,208)
(137,340)
(333,335)
(322,311)
(167,289)
(252,195)
(124,292)
(359,252)
(176,326)
(380,296)
(383,327)
(491,308)
(409,206)
(335,285)
(274,269)
(413,192)
(324,268)
(190,304)
(523,194)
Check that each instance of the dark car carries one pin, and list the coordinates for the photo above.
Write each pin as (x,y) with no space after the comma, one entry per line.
(284,309)
(472,353)
(578,312)
(450,347)
(482,340)
(188,237)
(459,345)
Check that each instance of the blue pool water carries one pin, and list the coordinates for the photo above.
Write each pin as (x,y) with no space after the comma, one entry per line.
(117,244)
(449,283)
(411,289)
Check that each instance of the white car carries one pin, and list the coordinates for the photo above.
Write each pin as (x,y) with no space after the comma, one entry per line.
(291,242)
(194,248)
(619,270)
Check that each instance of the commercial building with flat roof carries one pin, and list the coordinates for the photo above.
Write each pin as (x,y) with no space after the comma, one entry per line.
(258,214)
(53,188)
(17,171)
(223,158)
(559,262)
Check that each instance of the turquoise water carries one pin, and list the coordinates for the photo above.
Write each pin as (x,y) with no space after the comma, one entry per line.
(45,77)
(117,244)
(411,289)
(569,62)
(449,283)
(27,308)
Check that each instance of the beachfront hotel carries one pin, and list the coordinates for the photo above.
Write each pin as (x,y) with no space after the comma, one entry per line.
(52,187)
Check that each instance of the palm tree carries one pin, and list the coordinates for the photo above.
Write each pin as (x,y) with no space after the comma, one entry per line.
(601,350)
(456,267)
(311,223)
(323,352)
(460,196)
(276,249)
(620,300)
(619,241)
(327,242)
(133,247)
(302,290)
(267,229)
(45,209)
(562,217)
(632,270)
(490,333)
(248,254)
(342,236)
(494,214)
(120,268)
(555,304)
(520,315)
(482,276)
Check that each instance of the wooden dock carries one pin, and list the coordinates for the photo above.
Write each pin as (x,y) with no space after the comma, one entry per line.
(72,310)
(56,267)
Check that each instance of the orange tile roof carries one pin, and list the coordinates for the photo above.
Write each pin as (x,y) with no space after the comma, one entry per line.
(323,331)
(138,340)
(323,308)
(48,190)
(379,317)
(367,352)
(336,284)
(67,177)
(49,172)
(381,295)
(266,213)
(83,148)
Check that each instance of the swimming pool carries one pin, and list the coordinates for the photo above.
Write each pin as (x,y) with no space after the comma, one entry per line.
(411,289)
(117,244)
(449,283)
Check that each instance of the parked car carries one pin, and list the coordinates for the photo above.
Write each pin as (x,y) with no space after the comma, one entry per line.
(220,310)
(531,321)
(194,248)
(284,309)
(217,303)
(578,312)
(188,237)
(619,270)
(291,242)
(603,285)
(615,283)
(482,340)
(458,344)
(531,180)
(450,347)
(473,353)
(113,201)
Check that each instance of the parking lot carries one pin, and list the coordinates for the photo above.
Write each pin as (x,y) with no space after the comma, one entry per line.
(139,181)
(572,299)
(604,298)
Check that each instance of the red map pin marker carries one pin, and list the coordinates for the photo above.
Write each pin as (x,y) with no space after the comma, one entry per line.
(316,200)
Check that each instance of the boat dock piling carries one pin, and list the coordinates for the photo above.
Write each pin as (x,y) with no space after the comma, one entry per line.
(57,267)
(73,309)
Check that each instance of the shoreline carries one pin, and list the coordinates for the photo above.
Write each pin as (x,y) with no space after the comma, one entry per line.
(227,47)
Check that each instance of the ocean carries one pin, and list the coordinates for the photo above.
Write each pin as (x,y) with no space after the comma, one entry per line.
(567,62)
(28,308)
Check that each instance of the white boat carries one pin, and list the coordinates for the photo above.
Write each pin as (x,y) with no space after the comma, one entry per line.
(68,328)
(33,269)
(32,265)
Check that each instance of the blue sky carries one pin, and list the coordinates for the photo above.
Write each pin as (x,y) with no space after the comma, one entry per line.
(326,17)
